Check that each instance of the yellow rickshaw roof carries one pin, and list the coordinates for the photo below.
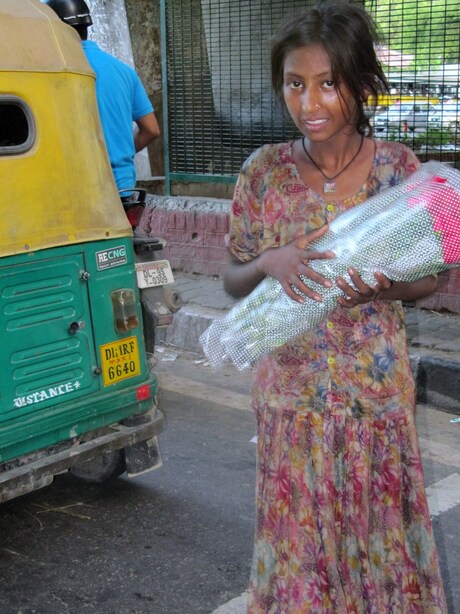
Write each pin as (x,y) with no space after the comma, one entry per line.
(32,38)
(60,182)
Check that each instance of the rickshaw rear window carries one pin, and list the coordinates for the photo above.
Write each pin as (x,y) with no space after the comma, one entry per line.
(17,131)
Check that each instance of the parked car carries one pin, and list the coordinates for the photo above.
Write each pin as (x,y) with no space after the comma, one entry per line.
(447,116)
(404,116)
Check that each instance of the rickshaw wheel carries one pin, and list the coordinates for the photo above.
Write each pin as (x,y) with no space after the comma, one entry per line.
(104,467)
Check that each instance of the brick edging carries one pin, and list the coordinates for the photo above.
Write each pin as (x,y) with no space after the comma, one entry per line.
(194,230)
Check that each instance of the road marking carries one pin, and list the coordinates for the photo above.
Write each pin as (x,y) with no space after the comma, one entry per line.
(444,495)
(235,606)
(205,392)
(439,452)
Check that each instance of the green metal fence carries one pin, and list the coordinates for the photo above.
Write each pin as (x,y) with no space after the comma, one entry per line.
(218,102)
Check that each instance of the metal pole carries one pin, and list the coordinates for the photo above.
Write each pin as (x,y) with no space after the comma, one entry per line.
(164,82)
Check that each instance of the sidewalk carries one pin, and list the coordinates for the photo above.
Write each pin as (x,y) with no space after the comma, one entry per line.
(434,338)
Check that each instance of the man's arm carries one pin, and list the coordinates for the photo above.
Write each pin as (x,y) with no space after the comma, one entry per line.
(146,131)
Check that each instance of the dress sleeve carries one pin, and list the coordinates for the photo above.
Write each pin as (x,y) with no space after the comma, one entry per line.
(395,162)
(246,225)
(411,162)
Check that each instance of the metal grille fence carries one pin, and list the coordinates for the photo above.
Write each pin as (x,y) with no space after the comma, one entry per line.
(217,89)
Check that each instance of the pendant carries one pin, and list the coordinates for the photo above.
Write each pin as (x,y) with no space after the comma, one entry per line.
(329,187)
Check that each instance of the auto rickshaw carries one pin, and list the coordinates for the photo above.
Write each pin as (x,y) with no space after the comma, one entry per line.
(76,391)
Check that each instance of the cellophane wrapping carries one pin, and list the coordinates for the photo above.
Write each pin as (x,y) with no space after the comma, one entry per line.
(406,232)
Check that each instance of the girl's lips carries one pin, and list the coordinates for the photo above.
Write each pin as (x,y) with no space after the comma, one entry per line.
(314,125)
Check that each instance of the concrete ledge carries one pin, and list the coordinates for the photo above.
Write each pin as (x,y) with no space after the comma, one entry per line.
(187,326)
(189,203)
(438,382)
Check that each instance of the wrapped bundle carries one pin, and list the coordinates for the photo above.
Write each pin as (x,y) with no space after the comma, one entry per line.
(406,232)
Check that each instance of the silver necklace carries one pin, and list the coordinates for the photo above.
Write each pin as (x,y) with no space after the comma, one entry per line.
(330,186)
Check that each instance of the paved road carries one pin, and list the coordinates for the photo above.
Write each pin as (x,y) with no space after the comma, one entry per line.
(179,540)
(439,437)
(174,541)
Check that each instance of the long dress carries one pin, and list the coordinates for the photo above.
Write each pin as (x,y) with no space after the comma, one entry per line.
(342,522)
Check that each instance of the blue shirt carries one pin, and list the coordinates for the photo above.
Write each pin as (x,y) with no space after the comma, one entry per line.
(121,99)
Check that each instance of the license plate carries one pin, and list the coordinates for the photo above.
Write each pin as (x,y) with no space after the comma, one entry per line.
(152,274)
(120,360)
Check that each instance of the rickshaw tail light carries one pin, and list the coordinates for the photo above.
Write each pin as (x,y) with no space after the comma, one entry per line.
(134,214)
(124,310)
(143,392)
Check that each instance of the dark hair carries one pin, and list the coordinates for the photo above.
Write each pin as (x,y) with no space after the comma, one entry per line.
(348,34)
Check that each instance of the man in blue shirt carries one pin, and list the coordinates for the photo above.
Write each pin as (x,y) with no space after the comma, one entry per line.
(121,97)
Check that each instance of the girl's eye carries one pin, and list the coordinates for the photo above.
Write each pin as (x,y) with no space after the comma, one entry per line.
(295,85)
(329,85)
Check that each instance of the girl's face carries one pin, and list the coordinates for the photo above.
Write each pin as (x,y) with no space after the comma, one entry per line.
(313,98)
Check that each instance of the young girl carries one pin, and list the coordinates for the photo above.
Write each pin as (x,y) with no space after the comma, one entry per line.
(342,517)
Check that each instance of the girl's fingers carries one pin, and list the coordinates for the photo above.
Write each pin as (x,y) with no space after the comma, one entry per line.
(290,292)
(289,289)
(311,254)
(360,285)
(347,289)
(383,281)
(316,277)
(362,292)
(297,283)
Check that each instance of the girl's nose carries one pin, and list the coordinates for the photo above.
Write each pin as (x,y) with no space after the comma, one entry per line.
(309,103)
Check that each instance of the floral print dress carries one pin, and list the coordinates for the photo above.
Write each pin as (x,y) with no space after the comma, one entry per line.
(342,523)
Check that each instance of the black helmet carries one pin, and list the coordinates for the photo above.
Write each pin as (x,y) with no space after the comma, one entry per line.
(72,12)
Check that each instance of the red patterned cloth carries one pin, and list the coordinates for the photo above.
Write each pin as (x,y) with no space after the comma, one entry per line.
(342,519)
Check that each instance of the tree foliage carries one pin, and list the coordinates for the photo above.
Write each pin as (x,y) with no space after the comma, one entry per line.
(427,29)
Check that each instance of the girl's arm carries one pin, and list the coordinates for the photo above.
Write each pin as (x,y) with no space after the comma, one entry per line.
(285,264)
(405,291)
(384,290)
(240,278)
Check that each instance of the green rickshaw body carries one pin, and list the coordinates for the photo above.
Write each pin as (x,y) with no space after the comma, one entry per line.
(75,377)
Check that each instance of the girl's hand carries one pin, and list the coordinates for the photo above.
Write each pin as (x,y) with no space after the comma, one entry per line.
(363,293)
(287,263)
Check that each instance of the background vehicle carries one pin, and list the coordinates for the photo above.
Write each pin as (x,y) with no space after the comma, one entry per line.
(404,116)
(77,393)
(447,116)
(387,100)
(159,299)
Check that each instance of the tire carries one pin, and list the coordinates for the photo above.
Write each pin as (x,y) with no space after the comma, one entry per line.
(105,467)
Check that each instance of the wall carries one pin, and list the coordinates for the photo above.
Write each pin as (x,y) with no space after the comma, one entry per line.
(447,296)
(194,229)
(144,26)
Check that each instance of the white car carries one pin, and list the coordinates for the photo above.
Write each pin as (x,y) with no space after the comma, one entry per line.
(447,116)
(405,116)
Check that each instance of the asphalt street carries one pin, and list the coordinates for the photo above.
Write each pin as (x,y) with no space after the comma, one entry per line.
(439,438)
(175,540)
(179,540)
